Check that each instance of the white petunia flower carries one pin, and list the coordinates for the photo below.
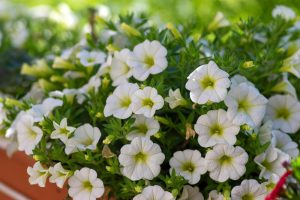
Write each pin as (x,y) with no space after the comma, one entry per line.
(93,85)
(120,71)
(28,135)
(284,12)
(226,162)
(271,162)
(105,67)
(284,111)
(2,114)
(265,132)
(149,57)
(286,87)
(68,93)
(219,21)
(42,110)
(238,79)
(120,102)
(191,193)
(85,184)
(85,137)
(143,127)
(154,192)
(175,99)
(38,174)
(59,175)
(141,159)
(189,164)
(245,105)
(214,195)
(292,64)
(249,189)
(284,142)
(208,83)
(147,101)
(215,128)
(90,58)
(62,131)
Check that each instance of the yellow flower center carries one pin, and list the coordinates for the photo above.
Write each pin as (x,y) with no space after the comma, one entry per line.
(147,102)
(225,160)
(188,166)
(140,157)
(149,60)
(126,102)
(87,185)
(216,130)
(244,105)
(64,131)
(248,197)
(283,113)
(142,128)
(207,82)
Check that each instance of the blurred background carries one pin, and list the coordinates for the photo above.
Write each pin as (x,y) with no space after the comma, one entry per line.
(31,29)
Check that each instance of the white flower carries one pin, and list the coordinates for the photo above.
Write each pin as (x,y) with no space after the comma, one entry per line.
(189,164)
(284,142)
(175,99)
(93,85)
(208,83)
(28,135)
(219,21)
(238,79)
(191,193)
(85,137)
(90,58)
(59,175)
(105,67)
(245,105)
(62,131)
(68,93)
(42,110)
(148,58)
(271,162)
(64,16)
(37,174)
(214,195)
(292,64)
(120,71)
(284,12)
(141,159)
(215,128)
(120,102)
(226,162)
(85,184)
(284,111)
(154,192)
(265,132)
(249,189)
(143,126)
(285,87)
(2,114)
(147,101)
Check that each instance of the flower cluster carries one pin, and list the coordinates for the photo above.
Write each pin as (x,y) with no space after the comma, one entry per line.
(157,114)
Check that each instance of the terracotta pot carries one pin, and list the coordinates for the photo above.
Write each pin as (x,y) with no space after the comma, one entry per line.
(14,181)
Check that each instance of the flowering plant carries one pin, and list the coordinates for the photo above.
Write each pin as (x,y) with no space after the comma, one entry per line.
(163,113)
